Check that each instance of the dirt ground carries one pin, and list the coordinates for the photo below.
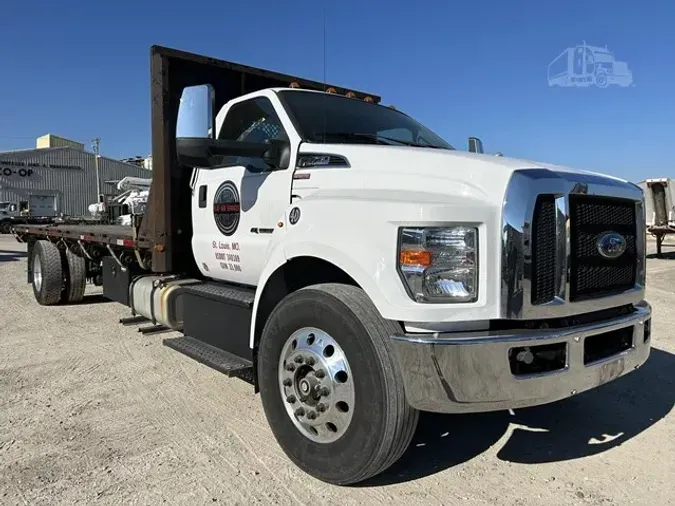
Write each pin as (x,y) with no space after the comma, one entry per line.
(94,412)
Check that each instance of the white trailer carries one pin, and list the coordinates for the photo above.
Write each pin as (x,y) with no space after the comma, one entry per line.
(659,208)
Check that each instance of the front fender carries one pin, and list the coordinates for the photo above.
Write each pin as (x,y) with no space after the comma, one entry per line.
(284,248)
(357,231)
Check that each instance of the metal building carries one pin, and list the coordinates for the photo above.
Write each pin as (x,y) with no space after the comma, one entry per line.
(50,181)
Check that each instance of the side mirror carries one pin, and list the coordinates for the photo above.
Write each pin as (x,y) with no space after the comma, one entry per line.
(475,145)
(195,113)
(206,153)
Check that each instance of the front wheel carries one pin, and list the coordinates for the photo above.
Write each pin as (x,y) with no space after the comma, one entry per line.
(330,386)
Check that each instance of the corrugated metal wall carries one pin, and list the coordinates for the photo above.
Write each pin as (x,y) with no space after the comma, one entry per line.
(67,173)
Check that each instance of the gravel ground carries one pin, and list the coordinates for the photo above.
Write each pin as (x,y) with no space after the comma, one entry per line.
(94,412)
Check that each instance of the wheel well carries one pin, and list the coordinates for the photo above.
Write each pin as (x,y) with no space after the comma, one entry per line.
(295,274)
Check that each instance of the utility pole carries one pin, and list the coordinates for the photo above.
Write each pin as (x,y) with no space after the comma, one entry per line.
(96,142)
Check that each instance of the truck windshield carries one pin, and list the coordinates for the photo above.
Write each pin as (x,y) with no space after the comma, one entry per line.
(328,118)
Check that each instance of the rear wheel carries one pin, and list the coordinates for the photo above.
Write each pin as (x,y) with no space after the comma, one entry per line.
(47,273)
(76,277)
(330,386)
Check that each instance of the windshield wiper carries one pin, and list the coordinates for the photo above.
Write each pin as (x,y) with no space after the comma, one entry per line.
(377,139)
(407,143)
(351,135)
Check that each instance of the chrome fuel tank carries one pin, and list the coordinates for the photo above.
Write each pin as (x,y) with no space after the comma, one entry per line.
(158,298)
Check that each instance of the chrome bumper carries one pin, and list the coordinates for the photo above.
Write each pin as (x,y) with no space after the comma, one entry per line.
(471,371)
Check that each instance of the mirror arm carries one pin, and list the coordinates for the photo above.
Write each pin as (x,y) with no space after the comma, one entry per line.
(239,148)
(204,152)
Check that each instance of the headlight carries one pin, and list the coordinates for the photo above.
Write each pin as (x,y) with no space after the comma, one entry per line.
(439,264)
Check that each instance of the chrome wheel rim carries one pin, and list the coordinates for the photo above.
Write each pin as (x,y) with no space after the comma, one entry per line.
(37,272)
(316,385)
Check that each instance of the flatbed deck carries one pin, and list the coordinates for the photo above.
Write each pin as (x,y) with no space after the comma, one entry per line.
(117,235)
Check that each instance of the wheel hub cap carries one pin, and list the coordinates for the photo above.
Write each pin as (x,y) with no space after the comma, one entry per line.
(37,272)
(316,385)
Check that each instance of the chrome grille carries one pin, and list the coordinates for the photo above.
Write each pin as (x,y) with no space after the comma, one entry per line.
(592,275)
(551,265)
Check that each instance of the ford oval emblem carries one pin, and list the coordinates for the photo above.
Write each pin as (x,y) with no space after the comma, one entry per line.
(611,245)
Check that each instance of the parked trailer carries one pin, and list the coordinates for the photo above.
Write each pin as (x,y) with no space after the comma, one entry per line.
(355,267)
(660,208)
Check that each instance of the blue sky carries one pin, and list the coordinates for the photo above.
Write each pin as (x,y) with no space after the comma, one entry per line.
(81,69)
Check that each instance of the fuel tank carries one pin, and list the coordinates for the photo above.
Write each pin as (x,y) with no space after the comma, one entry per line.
(159,299)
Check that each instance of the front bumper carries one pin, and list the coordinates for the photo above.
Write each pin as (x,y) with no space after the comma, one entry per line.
(472,372)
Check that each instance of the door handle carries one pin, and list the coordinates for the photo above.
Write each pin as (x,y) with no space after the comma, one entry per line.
(202,196)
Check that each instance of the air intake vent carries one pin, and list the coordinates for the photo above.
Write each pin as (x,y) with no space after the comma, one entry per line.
(306,161)
(543,250)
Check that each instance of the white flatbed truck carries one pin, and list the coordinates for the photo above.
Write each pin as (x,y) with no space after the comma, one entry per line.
(356,268)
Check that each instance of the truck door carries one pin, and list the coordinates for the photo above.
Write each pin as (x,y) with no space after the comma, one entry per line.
(236,206)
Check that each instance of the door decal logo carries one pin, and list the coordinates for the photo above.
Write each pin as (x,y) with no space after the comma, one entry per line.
(226,208)
(294,215)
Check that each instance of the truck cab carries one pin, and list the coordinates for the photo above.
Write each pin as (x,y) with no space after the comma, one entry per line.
(243,198)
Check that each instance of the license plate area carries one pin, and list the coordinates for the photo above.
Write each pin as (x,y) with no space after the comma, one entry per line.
(605,345)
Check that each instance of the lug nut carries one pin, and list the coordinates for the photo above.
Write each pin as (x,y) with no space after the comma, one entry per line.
(310,361)
(320,373)
(290,367)
(291,398)
(324,391)
(311,415)
(299,411)
(321,407)
(288,382)
(299,359)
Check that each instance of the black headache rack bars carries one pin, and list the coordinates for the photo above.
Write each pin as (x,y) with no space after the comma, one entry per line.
(166,223)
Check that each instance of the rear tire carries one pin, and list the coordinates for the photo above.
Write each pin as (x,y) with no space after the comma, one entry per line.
(76,277)
(381,422)
(47,273)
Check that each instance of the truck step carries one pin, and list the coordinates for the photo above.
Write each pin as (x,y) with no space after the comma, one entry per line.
(211,356)
(236,295)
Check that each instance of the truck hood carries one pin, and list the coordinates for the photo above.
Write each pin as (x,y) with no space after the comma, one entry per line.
(481,176)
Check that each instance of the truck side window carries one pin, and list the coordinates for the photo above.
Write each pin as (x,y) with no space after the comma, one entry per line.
(254,121)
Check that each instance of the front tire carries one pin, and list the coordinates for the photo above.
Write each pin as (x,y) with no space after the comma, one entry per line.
(364,423)
(47,273)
